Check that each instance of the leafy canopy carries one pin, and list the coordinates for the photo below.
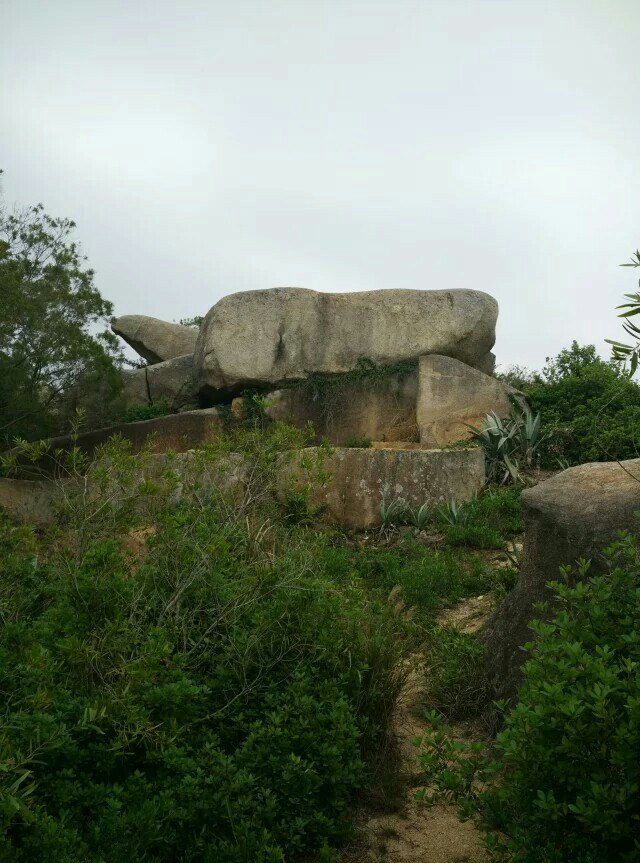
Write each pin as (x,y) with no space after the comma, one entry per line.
(51,358)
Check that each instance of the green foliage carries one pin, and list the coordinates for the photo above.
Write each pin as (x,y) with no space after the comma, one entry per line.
(474,536)
(195,322)
(509,444)
(453,513)
(590,410)
(428,579)
(487,521)
(499,509)
(146,412)
(482,522)
(51,359)
(358,442)
(456,680)
(419,517)
(253,408)
(365,371)
(392,513)
(623,353)
(519,377)
(452,770)
(568,785)
(570,362)
(191,699)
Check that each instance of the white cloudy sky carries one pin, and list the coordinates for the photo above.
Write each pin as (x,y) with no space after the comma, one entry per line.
(211,147)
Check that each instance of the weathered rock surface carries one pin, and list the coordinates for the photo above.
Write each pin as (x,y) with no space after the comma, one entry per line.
(135,391)
(358,478)
(262,338)
(487,363)
(451,394)
(383,410)
(362,478)
(155,340)
(177,432)
(574,514)
(28,501)
(171,381)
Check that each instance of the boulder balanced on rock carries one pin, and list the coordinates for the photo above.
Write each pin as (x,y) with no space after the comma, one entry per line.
(273,338)
(155,340)
(262,338)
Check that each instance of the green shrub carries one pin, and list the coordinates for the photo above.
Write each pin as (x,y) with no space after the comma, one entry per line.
(473,536)
(456,682)
(567,791)
(146,412)
(358,442)
(488,521)
(428,579)
(191,701)
(499,508)
(590,409)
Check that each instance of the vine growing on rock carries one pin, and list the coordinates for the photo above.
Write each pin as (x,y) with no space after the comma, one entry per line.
(329,391)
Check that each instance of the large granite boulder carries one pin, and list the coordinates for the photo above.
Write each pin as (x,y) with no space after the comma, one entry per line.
(574,514)
(262,338)
(171,381)
(155,340)
(452,396)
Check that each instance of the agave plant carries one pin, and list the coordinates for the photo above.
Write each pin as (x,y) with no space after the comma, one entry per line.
(508,443)
(392,513)
(453,512)
(529,434)
(419,518)
(500,441)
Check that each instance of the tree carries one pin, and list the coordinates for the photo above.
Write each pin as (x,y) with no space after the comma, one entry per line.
(53,356)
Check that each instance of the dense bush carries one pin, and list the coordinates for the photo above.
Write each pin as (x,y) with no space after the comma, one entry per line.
(200,688)
(489,520)
(568,787)
(140,413)
(456,683)
(427,579)
(590,409)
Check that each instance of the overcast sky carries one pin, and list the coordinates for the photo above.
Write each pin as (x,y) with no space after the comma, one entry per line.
(205,148)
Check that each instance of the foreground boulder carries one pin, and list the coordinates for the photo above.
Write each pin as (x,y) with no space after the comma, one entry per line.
(574,514)
(262,338)
(452,396)
(155,340)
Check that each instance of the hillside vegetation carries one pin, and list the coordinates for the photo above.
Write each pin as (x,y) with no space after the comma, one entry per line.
(196,666)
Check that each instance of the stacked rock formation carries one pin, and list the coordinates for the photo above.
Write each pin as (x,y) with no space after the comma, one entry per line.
(270,339)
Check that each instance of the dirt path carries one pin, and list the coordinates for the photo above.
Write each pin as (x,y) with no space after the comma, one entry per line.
(410,832)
